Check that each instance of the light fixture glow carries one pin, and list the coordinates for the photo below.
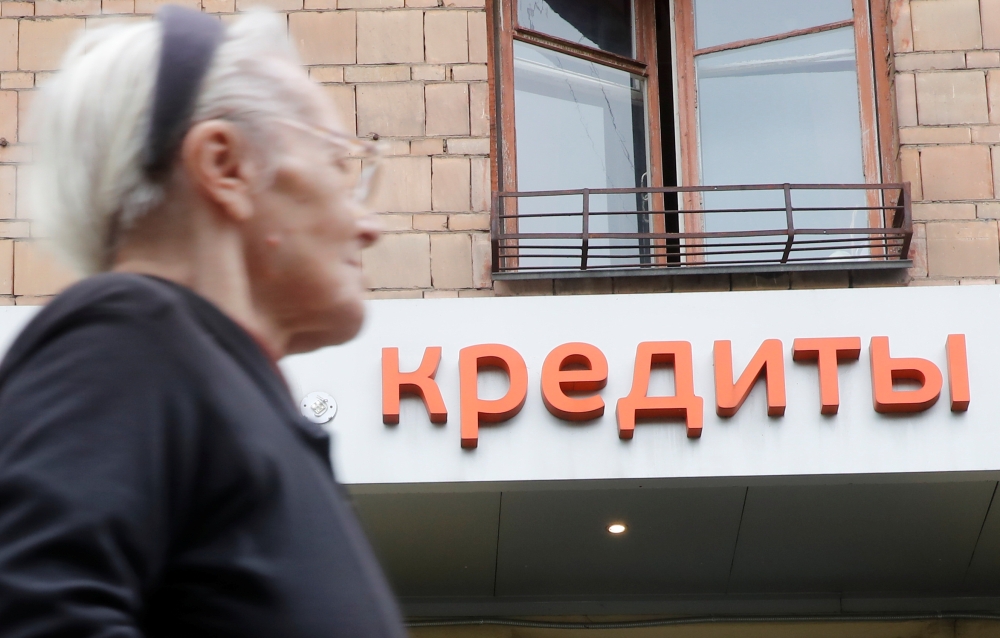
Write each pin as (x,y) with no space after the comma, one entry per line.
(616,528)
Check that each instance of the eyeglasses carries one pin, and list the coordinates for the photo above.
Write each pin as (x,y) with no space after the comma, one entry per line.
(368,152)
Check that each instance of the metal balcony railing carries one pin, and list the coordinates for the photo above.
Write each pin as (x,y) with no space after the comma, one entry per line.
(699,229)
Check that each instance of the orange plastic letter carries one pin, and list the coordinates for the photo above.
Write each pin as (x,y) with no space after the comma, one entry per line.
(556,381)
(476,410)
(419,382)
(826,353)
(768,362)
(958,373)
(683,405)
(886,370)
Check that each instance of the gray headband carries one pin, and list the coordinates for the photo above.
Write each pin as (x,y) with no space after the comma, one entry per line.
(190,39)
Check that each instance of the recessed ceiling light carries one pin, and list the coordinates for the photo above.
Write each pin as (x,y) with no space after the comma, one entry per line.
(616,528)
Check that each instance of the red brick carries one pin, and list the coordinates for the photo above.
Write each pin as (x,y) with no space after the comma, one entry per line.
(993,95)
(986,134)
(450,184)
(946,25)
(902,29)
(928,212)
(377,46)
(8,45)
(446,38)
(16,9)
(128,6)
(369,4)
(906,99)
(935,135)
(447,109)
(963,249)
(398,261)
(343,100)
(37,272)
(67,7)
(218,6)
(929,61)
(990,10)
(451,260)
(956,172)
(405,185)
(477,36)
(918,251)
(24,100)
(41,43)
(957,97)
(8,192)
(325,37)
(982,59)
(481,180)
(152,6)
(394,109)
(996,171)
(8,115)
(479,109)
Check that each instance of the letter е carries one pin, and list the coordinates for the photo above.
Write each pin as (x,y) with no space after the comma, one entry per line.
(556,381)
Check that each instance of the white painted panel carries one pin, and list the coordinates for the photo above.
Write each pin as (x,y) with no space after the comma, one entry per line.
(537,446)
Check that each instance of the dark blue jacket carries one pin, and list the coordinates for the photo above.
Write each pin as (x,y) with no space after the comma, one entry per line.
(157,480)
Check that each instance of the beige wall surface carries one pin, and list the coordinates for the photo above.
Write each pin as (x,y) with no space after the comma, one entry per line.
(414,72)
(411,71)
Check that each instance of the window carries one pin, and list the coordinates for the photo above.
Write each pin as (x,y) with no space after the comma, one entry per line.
(603,103)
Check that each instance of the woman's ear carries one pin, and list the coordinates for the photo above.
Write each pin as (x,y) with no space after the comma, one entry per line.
(218,160)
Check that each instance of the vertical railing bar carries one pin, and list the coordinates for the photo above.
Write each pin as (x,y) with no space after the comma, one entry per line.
(789,223)
(584,256)
(495,231)
(907,223)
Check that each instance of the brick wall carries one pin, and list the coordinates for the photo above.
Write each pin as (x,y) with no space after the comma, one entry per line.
(414,72)
(411,71)
(947,63)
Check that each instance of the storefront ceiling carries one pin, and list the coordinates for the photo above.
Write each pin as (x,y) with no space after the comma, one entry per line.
(783,548)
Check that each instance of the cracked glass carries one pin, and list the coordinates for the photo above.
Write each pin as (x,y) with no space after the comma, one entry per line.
(578,125)
(601,24)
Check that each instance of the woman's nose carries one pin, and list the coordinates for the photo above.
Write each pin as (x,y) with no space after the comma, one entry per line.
(368,228)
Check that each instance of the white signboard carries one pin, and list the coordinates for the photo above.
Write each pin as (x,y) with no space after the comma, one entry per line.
(535,445)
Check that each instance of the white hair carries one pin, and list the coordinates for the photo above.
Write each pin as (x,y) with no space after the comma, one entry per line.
(92,123)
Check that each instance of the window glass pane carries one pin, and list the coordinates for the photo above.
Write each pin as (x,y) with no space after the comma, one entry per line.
(785,111)
(602,24)
(724,21)
(578,125)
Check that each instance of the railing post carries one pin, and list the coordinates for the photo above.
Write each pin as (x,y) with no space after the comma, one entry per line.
(907,222)
(495,231)
(586,230)
(789,223)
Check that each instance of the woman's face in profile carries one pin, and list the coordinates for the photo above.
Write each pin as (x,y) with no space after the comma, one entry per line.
(308,231)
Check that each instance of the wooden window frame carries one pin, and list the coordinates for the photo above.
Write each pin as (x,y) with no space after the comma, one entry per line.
(503,27)
(873,53)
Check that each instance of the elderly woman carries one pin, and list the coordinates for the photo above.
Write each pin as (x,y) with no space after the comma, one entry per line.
(155,477)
